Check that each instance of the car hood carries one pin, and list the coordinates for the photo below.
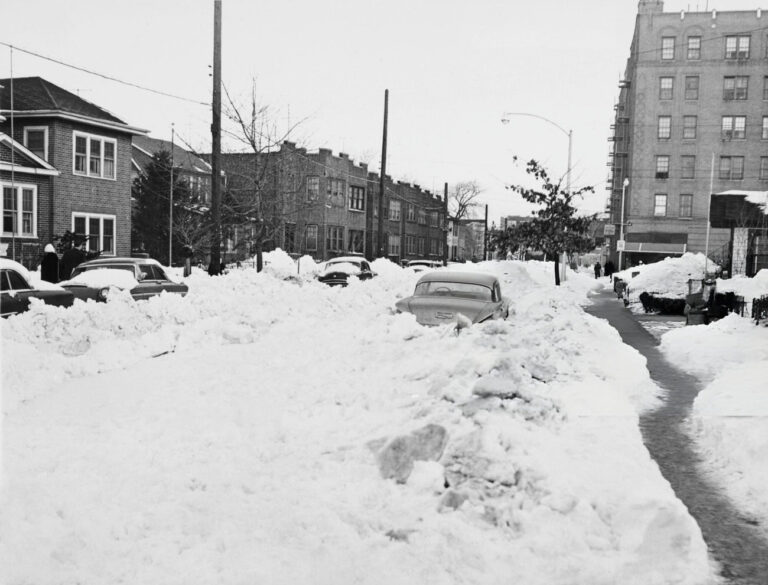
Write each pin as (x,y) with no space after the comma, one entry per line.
(431,310)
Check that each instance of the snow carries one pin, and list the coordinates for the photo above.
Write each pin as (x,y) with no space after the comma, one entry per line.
(749,288)
(729,421)
(667,278)
(104,277)
(237,435)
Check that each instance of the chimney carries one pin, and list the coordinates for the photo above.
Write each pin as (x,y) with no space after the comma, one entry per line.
(650,7)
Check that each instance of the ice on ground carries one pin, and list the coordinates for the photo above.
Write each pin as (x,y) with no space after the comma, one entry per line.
(235,435)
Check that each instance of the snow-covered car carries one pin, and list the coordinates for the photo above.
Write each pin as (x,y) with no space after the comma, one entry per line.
(143,277)
(336,272)
(424,265)
(444,297)
(16,290)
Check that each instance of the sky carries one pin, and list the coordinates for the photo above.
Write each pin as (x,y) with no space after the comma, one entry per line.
(452,69)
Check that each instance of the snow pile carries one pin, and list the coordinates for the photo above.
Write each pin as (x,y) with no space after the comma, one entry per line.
(279,264)
(749,288)
(264,430)
(103,277)
(729,420)
(667,278)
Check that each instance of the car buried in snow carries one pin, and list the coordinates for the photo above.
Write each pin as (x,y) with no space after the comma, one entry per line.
(142,277)
(424,265)
(16,290)
(337,271)
(443,297)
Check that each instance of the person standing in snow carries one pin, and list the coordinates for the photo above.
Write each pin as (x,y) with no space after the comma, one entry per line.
(70,260)
(49,267)
(609,268)
(597,269)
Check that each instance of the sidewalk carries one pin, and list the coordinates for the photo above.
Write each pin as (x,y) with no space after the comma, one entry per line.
(733,539)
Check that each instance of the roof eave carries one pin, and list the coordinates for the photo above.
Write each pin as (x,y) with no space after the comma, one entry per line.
(76,118)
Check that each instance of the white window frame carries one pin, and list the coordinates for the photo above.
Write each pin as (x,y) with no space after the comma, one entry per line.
(19,195)
(657,208)
(361,199)
(312,193)
(27,129)
(664,128)
(689,198)
(394,210)
(393,247)
(88,138)
(101,217)
(667,52)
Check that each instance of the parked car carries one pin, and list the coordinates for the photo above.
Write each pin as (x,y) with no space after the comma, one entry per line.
(423,265)
(336,272)
(143,277)
(441,296)
(16,290)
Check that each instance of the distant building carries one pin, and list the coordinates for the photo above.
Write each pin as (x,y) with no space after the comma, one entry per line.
(72,174)
(509,221)
(695,86)
(467,240)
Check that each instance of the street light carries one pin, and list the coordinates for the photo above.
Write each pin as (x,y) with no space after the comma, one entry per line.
(568,133)
(621,225)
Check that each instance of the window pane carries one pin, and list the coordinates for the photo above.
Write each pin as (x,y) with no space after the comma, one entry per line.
(108,237)
(36,142)
(95,158)
(689,126)
(664,127)
(686,205)
(688,167)
(109,160)
(93,234)
(764,134)
(660,205)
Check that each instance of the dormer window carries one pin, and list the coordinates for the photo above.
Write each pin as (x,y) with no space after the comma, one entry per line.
(36,140)
(94,156)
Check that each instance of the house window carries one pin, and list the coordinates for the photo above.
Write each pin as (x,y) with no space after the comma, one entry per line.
(666,88)
(433,247)
(689,126)
(99,229)
(336,191)
(737,47)
(411,212)
(20,210)
(660,205)
(355,241)
(357,198)
(731,167)
(662,166)
(735,87)
(36,140)
(422,244)
(394,245)
(394,210)
(686,205)
(667,48)
(334,240)
(764,135)
(664,129)
(433,219)
(422,217)
(311,238)
(691,87)
(410,245)
(764,168)
(687,167)
(734,128)
(313,191)
(94,156)
(694,48)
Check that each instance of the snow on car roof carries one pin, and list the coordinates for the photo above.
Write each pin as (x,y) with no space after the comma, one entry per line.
(468,277)
(120,260)
(103,278)
(6,263)
(350,259)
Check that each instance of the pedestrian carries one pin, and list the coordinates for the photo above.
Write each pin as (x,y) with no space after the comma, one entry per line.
(49,267)
(70,260)
(609,269)
(597,269)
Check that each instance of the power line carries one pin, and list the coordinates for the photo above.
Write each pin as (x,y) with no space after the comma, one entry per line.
(104,76)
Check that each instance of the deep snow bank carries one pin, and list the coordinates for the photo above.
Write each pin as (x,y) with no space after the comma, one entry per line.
(729,420)
(236,435)
(667,278)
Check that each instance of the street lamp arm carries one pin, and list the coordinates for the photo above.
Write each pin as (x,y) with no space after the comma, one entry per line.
(555,124)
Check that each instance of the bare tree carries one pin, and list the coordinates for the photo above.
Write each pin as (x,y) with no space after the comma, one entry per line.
(463,200)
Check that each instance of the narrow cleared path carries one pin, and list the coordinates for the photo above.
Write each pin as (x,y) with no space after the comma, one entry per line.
(733,539)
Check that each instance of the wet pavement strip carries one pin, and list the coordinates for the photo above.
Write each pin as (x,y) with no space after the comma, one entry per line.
(734,541)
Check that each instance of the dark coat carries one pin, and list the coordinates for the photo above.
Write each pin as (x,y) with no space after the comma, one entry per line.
(49,267)
(71,259)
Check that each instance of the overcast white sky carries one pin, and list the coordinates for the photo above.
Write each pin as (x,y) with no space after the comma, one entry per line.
(452,68)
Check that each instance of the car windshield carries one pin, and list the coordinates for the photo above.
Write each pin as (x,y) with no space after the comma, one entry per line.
(467,290)
(338,263)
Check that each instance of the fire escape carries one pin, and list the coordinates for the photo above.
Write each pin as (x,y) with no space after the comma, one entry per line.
(618,154)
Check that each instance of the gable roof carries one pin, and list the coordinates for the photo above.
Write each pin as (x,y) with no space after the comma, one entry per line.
(24,161)
(35,96)
(144,148)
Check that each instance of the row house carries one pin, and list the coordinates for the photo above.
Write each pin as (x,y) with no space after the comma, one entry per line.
(326,205)
(71,171)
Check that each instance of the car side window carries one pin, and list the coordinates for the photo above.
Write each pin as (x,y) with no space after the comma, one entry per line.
(17,281)
(159,273)
(4,284)
(145,272)
(365,266)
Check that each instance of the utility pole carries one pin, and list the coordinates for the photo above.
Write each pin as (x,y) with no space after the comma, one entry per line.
(215,265)
(485,235)
(380,240)
(445,224)
(170,205)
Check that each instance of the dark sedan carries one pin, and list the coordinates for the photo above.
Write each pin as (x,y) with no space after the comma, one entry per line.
(337,272)
(16,290)
(143,277)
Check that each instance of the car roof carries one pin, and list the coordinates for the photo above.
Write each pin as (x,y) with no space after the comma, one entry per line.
(347,259)
(6,263)
(465,277)
(119,260)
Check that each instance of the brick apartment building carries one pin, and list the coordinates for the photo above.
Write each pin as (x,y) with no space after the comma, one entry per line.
(326,205)
(71,171)
(695,86)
